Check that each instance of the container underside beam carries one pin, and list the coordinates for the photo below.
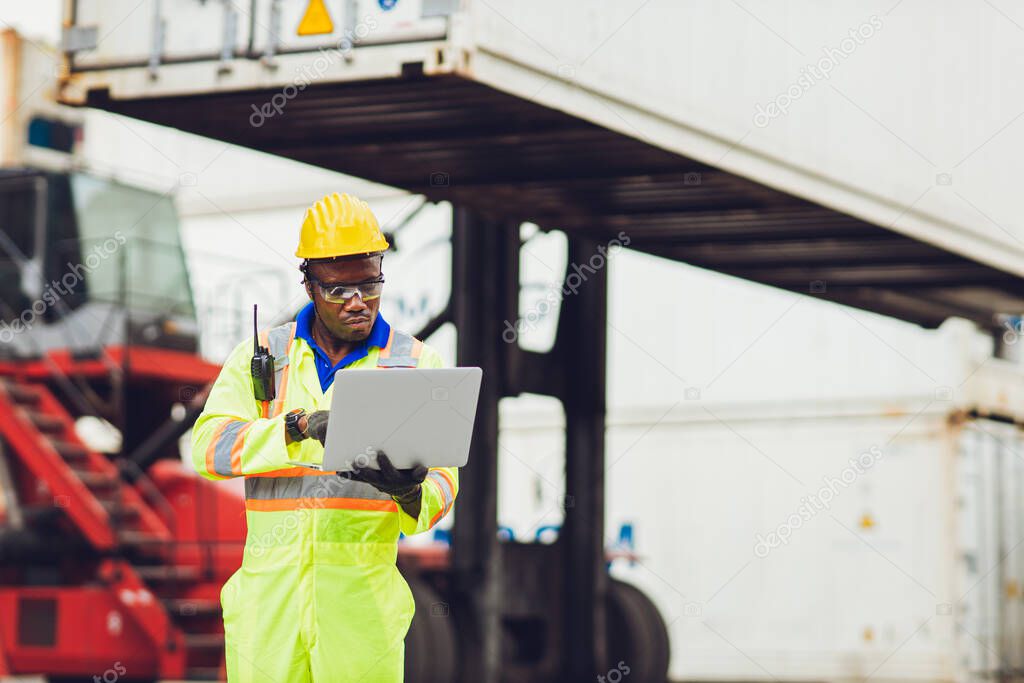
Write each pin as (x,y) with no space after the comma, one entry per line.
(454,139)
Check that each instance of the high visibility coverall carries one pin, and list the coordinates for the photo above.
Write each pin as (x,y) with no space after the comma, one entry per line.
(318,596)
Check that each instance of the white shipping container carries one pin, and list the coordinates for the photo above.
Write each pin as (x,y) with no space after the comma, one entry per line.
(876,111)
(821,539)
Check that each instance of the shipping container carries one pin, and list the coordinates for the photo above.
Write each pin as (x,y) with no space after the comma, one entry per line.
(817,539)
(822,111)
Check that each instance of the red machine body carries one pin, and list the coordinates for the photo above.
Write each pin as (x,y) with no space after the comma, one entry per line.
(118,569)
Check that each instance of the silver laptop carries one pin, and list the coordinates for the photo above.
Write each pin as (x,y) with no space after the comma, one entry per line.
(413,415)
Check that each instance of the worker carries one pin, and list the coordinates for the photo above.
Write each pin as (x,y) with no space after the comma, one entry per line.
(318,596)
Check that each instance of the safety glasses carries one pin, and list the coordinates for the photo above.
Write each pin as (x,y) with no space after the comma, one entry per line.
(342,292)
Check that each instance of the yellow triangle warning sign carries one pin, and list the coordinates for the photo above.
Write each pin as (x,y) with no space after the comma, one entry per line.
(316,20)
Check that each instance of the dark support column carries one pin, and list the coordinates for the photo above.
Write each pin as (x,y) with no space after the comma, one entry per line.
(581,350)
(485,287)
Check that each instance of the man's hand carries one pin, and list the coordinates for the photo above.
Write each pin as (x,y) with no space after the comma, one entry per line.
(389,480)
(316,425)
(402,485)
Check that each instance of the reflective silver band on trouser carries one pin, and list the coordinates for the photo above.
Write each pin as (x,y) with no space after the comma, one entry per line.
(401,352)
(310,486)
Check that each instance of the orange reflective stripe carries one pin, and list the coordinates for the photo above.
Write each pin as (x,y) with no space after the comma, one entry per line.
(449,497)
(447,478)
(236,450)
(279,402)
(293,472)
(448,500)
(386,351)
(283,390)
(211,450)
(402,351)
(281,504)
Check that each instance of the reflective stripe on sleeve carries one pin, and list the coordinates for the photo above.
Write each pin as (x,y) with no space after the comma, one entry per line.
(444,483)
(437,518)
(236,450)
(223,455)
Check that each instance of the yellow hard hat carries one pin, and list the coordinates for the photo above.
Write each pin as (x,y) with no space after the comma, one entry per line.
(339,225)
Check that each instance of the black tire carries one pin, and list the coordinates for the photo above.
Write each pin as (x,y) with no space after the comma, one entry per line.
(637,636)
(660,651)
(430,642)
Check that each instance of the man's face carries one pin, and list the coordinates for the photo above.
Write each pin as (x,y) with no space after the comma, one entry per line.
(351,321)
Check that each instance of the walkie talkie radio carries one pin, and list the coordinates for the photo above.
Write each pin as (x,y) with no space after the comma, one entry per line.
(262,366)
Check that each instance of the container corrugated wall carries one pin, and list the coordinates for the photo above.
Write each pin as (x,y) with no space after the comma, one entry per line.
(991,527)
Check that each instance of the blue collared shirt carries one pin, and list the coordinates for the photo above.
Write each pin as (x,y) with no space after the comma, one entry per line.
(378,336)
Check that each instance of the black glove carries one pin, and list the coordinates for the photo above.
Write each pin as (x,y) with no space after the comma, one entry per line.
(316,425)
(402,485)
